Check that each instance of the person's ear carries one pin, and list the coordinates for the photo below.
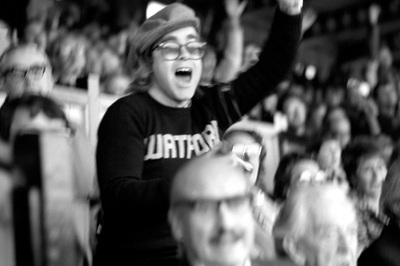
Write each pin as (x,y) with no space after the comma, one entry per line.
(291,247)
(176,225)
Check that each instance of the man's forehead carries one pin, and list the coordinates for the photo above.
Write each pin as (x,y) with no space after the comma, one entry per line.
(216,179)
(186,33)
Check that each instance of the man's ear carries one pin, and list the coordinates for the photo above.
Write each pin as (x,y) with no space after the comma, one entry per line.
(290,245)
(176,225)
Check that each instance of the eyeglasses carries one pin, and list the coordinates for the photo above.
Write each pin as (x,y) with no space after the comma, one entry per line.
(211,206)
(172,50)
(34,72)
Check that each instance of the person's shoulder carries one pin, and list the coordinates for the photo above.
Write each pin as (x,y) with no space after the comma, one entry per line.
(133,100)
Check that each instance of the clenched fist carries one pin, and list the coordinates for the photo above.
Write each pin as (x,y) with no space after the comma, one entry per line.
(290,7)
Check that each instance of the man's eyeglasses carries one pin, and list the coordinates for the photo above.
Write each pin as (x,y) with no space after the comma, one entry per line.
(211,206)
(34,72)
(172,50)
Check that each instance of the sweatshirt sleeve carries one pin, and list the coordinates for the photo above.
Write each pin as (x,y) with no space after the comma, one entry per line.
(120,153)
(275,62)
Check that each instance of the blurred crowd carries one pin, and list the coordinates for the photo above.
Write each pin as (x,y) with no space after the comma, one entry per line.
(341,130)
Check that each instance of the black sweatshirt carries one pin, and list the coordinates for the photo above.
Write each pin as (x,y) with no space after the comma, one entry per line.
(141,144)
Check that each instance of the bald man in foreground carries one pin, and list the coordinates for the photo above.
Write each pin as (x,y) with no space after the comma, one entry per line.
(210,212)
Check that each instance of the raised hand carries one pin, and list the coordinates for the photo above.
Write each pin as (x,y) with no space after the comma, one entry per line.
(234,8)
(309,18)
(290,7)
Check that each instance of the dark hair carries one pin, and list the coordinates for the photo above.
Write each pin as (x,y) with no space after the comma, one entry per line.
(360,148)
(34,104)
(283,173)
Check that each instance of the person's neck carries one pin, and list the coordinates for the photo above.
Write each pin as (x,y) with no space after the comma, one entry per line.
(162,99)
(372,202)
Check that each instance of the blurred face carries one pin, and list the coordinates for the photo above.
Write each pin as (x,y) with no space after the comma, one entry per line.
(334,96)
(213,216)
(331,237)
(371,173)
(296,112)
(26,71)
(386,96)
(175,81)
(341,131)
(34,33)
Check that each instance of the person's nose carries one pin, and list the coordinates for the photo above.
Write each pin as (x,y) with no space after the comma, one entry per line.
(226,218)
(343,245)
(184,53)
(29,79)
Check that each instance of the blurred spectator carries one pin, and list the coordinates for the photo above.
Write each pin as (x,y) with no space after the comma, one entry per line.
(35,32)
(366,171)
(5,36)
(329,160)
(36,114)
(290,172)
(336,125)
(387,101)
(317,226)
(227,68)
(385,250)
(295,109)
(25,69)
(68,58)
(7,247)
(250,56)
(248,146)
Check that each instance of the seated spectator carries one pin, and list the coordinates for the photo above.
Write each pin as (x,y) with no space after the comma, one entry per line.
(68,58)
(336,125)
(366,171)
(35,32)
(329,160)
(210,211)
(5,36)
(6,222)
(317,226)
(295,110)
(385,251)
(248,145)
(34,113)
(283,175)
(24,69)
(386,98)
(361,109)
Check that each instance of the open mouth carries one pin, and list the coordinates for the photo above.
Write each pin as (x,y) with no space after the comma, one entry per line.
(184,74)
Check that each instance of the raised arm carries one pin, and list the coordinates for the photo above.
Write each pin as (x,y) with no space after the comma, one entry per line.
(276,58)
(230,64)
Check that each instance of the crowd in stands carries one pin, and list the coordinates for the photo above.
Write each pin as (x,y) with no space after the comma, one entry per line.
(335,195)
